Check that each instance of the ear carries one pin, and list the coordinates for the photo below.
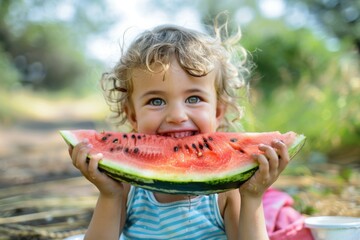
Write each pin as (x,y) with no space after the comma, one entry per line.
(220,112)
(131,116)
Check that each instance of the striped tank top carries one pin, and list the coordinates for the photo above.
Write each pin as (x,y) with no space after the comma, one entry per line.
(197,218)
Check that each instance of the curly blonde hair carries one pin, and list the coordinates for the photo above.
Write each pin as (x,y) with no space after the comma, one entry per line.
(197,53)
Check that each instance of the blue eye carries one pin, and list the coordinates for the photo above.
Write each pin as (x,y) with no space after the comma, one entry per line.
(156,102)
(193,99)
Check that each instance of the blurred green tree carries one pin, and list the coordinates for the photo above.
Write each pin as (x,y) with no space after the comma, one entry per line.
(284,55)
(340,18)
(45,41)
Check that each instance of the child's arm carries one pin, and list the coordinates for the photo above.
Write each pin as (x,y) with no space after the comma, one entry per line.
(252,220)
(231,213)
(109,214)
(271,164)
(108,218)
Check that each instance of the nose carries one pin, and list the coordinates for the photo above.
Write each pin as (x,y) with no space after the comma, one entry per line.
(176,114)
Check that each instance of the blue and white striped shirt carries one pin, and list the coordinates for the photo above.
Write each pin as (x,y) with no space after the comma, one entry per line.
(197,218)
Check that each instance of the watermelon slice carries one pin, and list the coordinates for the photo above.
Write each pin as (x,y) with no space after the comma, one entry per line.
(199,164)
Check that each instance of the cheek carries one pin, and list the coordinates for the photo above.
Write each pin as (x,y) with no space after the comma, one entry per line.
(206,120)
(148,122)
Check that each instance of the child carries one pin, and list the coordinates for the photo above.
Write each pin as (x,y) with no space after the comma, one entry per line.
(177,82)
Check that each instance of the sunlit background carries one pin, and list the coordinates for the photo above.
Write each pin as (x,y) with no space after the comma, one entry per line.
(307,77)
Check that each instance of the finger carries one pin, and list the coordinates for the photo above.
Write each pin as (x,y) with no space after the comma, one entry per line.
(93,165)
(81,159)
(271,156)
(263,170)
(74,153)
(76,149)
(70,150)
(283,154)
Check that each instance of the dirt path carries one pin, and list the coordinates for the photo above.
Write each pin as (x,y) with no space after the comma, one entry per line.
(42,196)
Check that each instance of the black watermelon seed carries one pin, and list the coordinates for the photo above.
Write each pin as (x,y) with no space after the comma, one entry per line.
(176,148)
(139,137)
(201,146)
(115,140)
(119,148)
(136,150)
(111,149)
(133,136)
(104,138)
(126,150)
(242,151)
(207,146)
(233,140)
(210,138)
(124,136)
(194,146)
(205,140)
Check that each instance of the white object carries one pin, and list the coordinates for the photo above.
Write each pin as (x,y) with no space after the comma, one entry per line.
(76,237)
(81,237)
(334,227)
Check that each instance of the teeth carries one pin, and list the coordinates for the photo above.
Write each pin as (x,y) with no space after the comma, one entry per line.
(180,134)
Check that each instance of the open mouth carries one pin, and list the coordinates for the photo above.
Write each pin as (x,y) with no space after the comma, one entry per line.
(180,134)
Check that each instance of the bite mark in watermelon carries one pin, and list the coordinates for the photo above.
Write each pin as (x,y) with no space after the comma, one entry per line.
(200,164)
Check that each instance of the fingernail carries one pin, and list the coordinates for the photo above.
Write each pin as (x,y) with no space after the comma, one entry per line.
(99,155)
(89,145)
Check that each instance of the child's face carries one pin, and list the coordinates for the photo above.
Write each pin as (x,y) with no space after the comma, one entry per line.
(173,103)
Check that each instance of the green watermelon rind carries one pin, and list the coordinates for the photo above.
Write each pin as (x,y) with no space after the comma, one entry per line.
(185,187)
(176,184)
(297,145)
(69,137)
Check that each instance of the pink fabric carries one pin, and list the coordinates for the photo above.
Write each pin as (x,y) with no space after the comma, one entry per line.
(283,222)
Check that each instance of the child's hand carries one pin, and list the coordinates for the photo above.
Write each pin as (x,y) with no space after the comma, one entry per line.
(271,164)
(88,166)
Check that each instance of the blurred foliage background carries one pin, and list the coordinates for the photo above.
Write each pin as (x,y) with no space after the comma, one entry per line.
(307,55)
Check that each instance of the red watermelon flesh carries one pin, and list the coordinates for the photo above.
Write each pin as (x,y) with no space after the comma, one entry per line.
(210,162)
